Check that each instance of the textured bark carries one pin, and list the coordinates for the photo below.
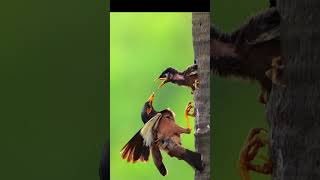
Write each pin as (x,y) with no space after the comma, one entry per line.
(294,111)
(201,44)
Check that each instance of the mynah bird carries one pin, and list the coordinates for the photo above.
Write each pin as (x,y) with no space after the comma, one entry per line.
(139,147)
(251,52)
(187,78)
(162,133)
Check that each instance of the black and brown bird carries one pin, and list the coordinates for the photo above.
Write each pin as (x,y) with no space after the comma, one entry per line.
(251,52)
(188,77)
(162,132)
(139,147)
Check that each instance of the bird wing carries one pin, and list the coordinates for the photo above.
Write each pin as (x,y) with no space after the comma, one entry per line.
(135,149)
(148,128)
(191,70)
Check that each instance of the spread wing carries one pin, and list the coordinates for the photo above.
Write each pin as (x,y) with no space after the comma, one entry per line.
(135,149)
(147,130)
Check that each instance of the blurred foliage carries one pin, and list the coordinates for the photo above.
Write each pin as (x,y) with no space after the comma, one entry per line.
(142,46)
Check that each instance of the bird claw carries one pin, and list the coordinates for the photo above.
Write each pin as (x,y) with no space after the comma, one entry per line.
(275,73)
(249,151)
(187,113)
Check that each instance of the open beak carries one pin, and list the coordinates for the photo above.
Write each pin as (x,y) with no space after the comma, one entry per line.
(150,100)
(164,81)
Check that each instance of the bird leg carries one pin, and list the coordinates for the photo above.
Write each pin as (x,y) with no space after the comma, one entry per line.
(275,73)
(187,113)
(248,153)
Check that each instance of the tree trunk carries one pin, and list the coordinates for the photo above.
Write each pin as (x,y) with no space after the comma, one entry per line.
(294,111)
(201,44)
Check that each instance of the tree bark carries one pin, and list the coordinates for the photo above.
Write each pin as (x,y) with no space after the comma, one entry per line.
(294,111)
(201,44)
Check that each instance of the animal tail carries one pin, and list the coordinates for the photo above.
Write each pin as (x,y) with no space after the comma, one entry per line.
(157,159)
(194,159)
(135,149)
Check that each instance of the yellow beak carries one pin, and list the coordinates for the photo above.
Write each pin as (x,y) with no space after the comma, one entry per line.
(151,98)
(164,81)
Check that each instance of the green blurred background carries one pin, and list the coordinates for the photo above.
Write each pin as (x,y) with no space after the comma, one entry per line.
(144,44)
(234,103)
(54,95)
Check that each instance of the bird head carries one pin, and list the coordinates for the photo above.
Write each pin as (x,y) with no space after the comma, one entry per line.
(167,76)
(148,110)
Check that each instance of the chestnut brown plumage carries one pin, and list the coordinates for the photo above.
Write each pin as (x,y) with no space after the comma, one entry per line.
(162,132)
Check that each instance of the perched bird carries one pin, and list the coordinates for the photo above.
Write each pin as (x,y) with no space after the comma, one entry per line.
(162,132)
(251,52)
(139,147)
(188,78)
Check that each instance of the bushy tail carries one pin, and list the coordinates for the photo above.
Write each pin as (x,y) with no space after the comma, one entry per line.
(135,149)
(194,159)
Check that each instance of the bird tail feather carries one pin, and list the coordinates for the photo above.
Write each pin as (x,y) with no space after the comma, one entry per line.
(157,159)
(135,149)
(194,159)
